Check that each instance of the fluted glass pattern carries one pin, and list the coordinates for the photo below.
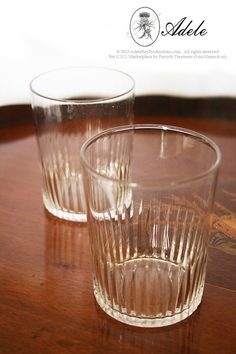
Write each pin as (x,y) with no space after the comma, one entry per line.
(148,230)
(71,105)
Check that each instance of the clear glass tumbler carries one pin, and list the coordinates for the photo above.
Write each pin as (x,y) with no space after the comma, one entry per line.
(70,105)
(149,191)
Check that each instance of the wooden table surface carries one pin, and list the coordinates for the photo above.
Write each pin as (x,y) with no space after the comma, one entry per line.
(46,298)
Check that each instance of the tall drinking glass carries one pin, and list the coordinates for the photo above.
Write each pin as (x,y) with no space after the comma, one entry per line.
(150,191)
(70,105)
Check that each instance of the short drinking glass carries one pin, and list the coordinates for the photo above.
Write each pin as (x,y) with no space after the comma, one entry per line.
(149,191)
(70,105)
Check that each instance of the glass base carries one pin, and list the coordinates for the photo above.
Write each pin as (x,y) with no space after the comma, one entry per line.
(147,322)
(66,215)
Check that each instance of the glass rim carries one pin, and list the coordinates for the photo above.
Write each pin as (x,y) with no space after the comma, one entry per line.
(198,136)
(81,101)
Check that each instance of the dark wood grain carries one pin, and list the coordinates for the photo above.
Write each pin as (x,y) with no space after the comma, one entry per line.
(46,299)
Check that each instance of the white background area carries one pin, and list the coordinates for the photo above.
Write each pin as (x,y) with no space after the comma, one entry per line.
(38,36)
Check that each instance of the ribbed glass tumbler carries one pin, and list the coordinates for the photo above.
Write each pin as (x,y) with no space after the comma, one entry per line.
(70,105)
(150,192)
